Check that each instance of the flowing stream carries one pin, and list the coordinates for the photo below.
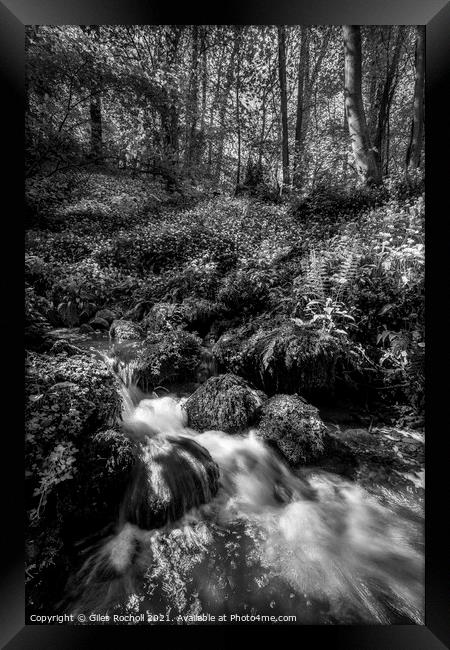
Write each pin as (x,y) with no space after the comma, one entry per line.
(271,542)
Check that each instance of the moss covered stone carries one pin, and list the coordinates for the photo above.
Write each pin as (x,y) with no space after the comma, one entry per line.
(164,358)
(282,357)
(294,427)
(226,403)
(125,330)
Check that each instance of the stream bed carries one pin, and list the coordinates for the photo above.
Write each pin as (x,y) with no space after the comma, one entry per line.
(315,545)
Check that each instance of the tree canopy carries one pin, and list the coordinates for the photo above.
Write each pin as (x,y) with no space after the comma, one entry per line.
(203,102)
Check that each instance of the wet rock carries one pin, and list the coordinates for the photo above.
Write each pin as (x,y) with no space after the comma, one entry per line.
(392,447)
(125,330)
(74,480)
(69,314)
(85,328)
(107,315)
(68,396)
(226,403)
(99,323)
(88,312)
(64,347)
(164,358)
(139,310)
(294,427)
(172,475)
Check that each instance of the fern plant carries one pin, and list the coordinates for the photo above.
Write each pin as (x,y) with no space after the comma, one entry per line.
(315,280)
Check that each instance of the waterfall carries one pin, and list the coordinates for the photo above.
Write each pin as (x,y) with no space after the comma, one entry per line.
(213,522)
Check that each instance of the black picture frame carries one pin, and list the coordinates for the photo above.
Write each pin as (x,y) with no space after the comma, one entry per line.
(435,14)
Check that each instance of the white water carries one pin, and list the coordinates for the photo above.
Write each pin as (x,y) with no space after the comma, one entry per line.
(271,542)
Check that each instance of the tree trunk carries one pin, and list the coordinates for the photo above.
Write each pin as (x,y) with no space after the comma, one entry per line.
(365,163)
(387,94)
(192,101)
(223,104)
(415,143)
(213,104)
(204,79)
(283,103)
(238,119)
(303,69)
(95,104)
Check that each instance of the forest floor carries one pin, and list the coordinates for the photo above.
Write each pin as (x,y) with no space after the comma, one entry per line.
(348,265)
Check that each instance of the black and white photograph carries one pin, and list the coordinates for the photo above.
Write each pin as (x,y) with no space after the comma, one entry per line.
(225,324)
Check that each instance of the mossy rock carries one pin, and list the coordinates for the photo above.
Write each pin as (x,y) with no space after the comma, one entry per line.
(106,314)
(294,427)
(226,403)
(125,330)
(164,358)
(283,357)
(76,477)
(62,346)
(67,398)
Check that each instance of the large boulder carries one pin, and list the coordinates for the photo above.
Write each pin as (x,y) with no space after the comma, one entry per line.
(125,330)
(69,395)
(172,475)
(106,314)
(98,323)
(294,427)
(164,358)
(75,479)
(283,357)
(226,403)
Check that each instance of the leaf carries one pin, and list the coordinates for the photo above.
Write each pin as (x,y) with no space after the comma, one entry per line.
(385,309)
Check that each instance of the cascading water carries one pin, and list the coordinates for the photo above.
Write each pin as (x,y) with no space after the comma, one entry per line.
(246,535)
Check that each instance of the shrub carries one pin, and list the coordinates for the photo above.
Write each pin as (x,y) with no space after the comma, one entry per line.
(191,314)
(246,290)
(333,204)
(288,357)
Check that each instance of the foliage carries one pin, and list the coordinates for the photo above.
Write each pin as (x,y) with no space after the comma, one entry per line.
(335,203)
(166,357)
(286,357)
(246,290)
(57,467)
(366,265)
(191,314)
